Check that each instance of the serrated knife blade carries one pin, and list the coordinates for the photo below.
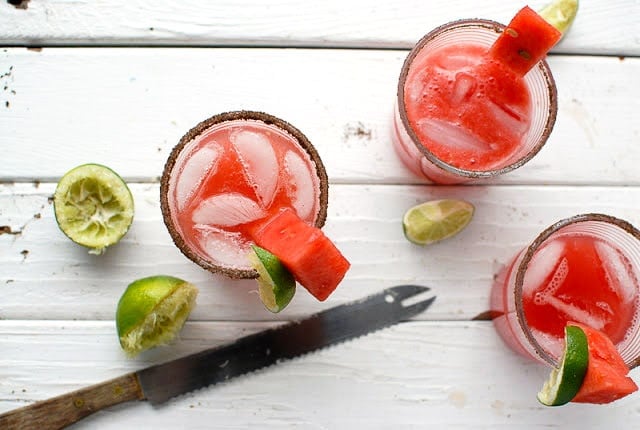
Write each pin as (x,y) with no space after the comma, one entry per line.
(161,382)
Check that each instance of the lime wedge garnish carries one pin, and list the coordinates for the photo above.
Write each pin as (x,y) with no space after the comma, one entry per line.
(152,311)
(93,206)
(276,285)
(436,220)
(565,381)
(560,13)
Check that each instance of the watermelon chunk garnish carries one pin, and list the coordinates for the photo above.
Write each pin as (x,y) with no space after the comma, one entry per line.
(607,377)
(312,258)
(525,41)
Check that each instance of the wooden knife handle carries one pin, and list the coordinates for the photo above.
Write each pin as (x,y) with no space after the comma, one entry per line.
(66,409)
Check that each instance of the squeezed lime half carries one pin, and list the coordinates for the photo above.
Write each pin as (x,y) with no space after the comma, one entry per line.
(93,206)
(152,311)
(436,220)
(565,381)
(276,285)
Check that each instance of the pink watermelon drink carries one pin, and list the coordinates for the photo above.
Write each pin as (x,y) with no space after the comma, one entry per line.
(467,106)
(229,175)
(584,269)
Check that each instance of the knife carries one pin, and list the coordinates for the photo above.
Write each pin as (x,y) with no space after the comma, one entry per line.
(159,383)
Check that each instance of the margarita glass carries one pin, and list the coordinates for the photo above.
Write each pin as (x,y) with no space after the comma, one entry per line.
(460,116)
(230,174)
(583,269)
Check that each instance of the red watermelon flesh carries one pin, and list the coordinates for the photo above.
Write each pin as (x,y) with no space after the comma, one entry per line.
(525,41)
(606,379)
(310,256)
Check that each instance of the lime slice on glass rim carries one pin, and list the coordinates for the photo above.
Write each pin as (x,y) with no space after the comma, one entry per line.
(276,285)
(93,206)
(565,381)
(436,220)
(560,14)
(152,311)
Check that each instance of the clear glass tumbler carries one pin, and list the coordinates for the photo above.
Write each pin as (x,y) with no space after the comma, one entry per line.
(583,269)
(230,173)
(420,159)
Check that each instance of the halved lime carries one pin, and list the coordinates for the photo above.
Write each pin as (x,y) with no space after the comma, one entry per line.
(436,220)
(276,285)
(152,311)
(560,14)
(565,381)
(93,206)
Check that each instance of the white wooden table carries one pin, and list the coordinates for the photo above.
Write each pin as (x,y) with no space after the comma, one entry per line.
(118,82)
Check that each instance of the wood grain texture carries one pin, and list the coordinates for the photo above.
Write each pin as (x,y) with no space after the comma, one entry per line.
(600,27)
(331,69)
(61,411)
(127,108)
(43,275)
(454,375)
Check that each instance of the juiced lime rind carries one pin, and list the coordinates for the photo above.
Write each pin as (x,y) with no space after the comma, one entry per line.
(436,220)
(560,14)
(93,206)
(152,311)
(276,285)
(565,381)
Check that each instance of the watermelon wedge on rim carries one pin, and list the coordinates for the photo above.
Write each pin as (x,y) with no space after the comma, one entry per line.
(606,379)
(525,41)
(310,256)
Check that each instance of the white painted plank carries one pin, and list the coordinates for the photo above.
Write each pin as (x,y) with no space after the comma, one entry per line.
(412,375)
(128,107)
(602,26)
(43,275)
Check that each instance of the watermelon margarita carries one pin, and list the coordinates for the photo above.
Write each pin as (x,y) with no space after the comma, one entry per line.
(463,111)
(584,269)
(229,175)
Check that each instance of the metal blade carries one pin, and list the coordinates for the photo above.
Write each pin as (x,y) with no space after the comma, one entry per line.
(164,381)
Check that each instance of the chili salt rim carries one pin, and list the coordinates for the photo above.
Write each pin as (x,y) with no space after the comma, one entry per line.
(196,131)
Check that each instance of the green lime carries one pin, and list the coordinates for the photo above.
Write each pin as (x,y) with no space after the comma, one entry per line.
(152,311)
(560,13)
(93,206)
(276,285)
(565,381)
(436,220)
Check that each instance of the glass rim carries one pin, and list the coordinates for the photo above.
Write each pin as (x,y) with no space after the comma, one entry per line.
(196,131)
(542,67)
(531,250)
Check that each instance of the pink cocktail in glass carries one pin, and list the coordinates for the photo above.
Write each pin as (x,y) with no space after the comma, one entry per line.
(461,115)
(583,269)
(231,173)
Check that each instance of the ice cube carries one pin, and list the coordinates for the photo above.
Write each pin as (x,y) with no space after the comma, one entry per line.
(199,165)
(547,294)
(541,265)
(300,187)
(415,88)
(618,271)
(455,62)
(451,135)
(464,86)
(604,306)
(259,163)
(574,313)
(508,117)
(225,248)
(227,210)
